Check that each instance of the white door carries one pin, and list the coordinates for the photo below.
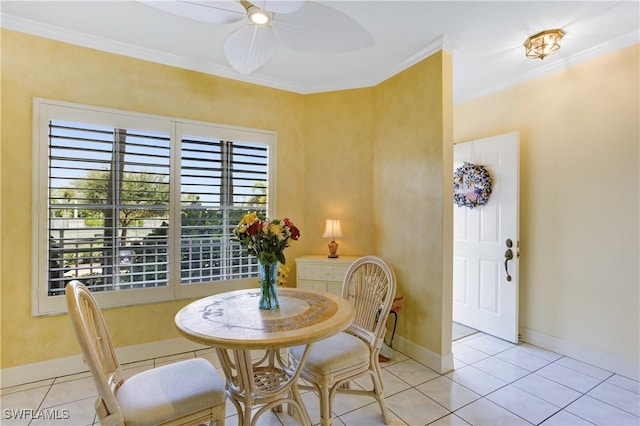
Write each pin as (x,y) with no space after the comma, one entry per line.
(485,281)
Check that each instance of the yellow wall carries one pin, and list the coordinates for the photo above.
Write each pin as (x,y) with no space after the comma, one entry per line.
(388,180)
(36,67)
(332,151)
(579,131)
(380,160)
(412,201)
(338,169)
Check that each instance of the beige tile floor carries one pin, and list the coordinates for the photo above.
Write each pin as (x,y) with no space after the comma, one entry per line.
(494,383)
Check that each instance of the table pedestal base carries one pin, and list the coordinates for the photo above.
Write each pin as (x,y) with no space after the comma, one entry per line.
(268,382)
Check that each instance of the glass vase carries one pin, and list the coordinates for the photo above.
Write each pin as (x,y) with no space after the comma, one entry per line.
(268,285)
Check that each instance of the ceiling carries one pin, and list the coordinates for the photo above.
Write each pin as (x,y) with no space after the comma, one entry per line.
(484,37)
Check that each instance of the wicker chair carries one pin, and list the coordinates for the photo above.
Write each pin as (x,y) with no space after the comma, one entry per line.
(183,393)
(370,284)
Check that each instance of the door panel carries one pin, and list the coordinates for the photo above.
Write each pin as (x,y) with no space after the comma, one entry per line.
(483,297)
(460,291)
(489,224)
(489,286)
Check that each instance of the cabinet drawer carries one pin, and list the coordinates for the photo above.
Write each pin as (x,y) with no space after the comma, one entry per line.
(312,285)
(322,272)
(334,288)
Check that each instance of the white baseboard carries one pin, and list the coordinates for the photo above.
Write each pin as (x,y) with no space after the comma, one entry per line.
(440,363)
(606,361)
(73,364)
(603,360)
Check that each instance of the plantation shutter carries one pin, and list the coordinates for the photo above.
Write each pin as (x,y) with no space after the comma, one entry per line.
(141,208)
(108,195)
(220,182)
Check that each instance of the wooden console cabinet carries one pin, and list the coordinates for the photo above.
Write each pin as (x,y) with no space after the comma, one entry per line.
(318,272)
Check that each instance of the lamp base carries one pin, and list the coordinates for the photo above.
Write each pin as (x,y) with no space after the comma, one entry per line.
(333,247)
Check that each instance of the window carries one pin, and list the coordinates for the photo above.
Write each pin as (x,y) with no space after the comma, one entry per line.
(142,208)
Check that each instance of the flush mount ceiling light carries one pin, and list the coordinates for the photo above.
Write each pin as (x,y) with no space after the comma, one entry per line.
(543,44)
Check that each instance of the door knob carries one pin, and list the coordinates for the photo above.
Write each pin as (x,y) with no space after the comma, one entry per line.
(508,255)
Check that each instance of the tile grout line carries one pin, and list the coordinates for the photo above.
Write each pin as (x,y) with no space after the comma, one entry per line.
(155,362)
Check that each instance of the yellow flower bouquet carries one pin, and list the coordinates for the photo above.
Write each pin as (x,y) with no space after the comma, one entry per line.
(266,239)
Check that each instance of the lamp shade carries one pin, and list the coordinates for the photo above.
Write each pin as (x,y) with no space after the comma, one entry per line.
(332,229)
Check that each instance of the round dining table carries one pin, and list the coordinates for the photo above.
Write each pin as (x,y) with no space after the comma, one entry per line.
(233,324)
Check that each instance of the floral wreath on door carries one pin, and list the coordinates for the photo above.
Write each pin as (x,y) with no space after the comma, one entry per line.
(471,185)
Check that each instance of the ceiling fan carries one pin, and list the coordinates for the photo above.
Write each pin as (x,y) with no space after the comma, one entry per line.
(297,24)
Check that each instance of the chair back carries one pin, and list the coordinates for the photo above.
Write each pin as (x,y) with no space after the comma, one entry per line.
(97,349)
(370,285)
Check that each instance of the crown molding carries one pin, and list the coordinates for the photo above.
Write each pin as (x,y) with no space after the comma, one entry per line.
(99,43)
(444,42)
(11,22)
(553,66)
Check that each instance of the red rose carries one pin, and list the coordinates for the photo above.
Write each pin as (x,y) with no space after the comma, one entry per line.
(253,228)
(295,232)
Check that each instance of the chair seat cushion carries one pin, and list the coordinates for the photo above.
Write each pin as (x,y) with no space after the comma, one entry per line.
(335,355)
(169,392)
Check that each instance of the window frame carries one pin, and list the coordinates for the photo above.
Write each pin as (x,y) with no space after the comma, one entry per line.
(45,110)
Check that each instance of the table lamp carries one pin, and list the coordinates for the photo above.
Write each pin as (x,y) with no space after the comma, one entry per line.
(332,230)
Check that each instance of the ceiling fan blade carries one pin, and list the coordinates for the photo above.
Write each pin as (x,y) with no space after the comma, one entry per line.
(318,28)
(279,6)
(212,12)
(250,47)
